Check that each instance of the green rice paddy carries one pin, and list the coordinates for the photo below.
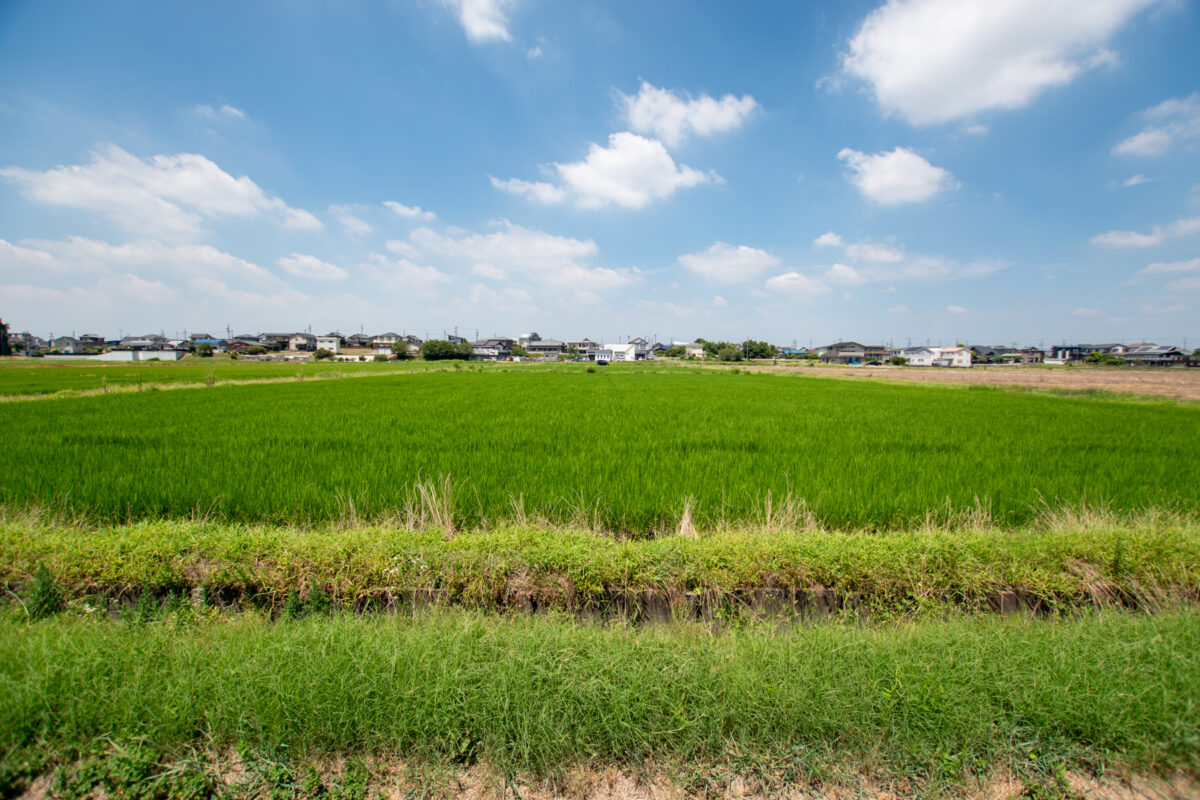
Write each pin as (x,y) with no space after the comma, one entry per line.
(623,450)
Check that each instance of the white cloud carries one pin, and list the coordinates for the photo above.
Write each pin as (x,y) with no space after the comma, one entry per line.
(1185,283)
(844,274)
(796,285)
(1166,124)
(306,266)
(286,298)
(403,276)
(1167,267)
(631,172)
(896,177)
(898,309)
(1173,308)
(410,212)
(541,257)
(542,192)
(1160,233)
(874,253)
(78,254)
(1086,312)
(297,219)
(350,223)
(164,196)
(725,263)
(491,271)
(483,20)
(933,61)
(509,301)
(956,309)
(720,302)
(534,52)
(672,118)
(227,111)
(828,239)
(18,260)
(1135,180)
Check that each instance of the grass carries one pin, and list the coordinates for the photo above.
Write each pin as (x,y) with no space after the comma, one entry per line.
(1064,562)
(937,703)
(623,450)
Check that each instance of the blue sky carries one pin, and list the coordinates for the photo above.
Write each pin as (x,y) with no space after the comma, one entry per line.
(1002,171)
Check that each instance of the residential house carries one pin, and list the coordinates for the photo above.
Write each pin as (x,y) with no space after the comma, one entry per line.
(275,341)
(331,342)
(358,340)
(1156,355)
(491,349)
(626,351)
(917,356)
(217,345)
(92,340)
(525,338)
(545,347)
(148,342)
(67,345)
(694,350)
(853,353)
(385,340)
(302,342)
(951,356)
(583,346)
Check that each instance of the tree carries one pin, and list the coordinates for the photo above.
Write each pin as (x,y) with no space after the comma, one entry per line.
(5,350)
(400,350)
(441,350)
(519,351)
(323,354)
(204,351)
(256,350)
(728,352)
(753,349)
(675,351)
(899,361)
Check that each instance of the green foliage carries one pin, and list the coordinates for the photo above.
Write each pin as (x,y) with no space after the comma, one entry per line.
(401,351)
(753,349)
(256,350)
(205,351)
(323,355)
(43,596)
(144,456)
(441,350)
(729,352)
(5,349)
(675,351)
(234,355)
(1104,359)
(934,700)
(899,361)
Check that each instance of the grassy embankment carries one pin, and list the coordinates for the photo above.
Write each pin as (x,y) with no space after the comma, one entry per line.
(1061,564)
(925,705)
(624,450)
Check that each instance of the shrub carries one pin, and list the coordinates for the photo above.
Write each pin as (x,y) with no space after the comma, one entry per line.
(204,351)
(323,354)
(44,596)
(380,357)
(591,368)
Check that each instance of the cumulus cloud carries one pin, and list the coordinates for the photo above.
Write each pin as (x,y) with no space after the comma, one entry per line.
(796,285)
(828,239)
(77,254)
(1135,180)
(538,256)
(896,177)
(631,172)
(672,117)
(350,223)
(956,309)
(1167,123)
(404,276)
(482,20)
(725,263)
(163,197)
(934,61)
(844,274)
(898,309)
(306,266)
(410,212)
(1086,312)
(1158,235)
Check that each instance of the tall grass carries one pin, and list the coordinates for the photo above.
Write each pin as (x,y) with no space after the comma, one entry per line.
(950,699)
(619,450)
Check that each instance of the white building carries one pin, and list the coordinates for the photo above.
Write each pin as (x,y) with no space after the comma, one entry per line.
(952,357)
(331,343)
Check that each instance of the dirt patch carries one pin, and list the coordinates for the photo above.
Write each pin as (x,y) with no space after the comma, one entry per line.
(1177,383)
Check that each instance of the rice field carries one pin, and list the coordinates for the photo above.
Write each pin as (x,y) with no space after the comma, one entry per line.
(622,450)
(35,377)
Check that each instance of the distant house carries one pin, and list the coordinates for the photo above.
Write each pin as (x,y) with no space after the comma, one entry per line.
(525,338)
(330,342)
(918,356)
(385,339)
(148,342)
(67,345)
(302,342)
(951,356)
(545,347)
(581,345)
(625,351)
(358,340)
(92,340)
(1156,355)
(848,353)
(217,345)
(694,350)
(275,341)
(491,349)
(243,344)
